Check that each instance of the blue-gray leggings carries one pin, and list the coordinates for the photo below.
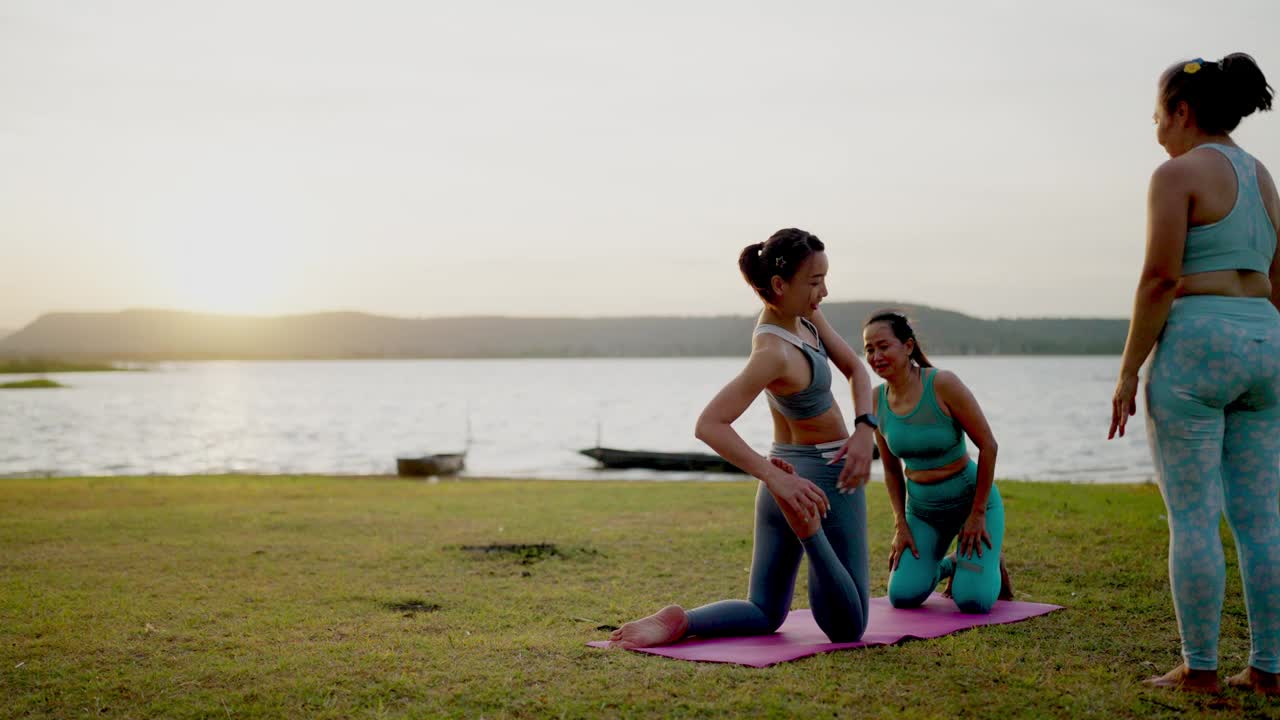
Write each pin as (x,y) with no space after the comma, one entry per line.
(1213,408)
(935,513)
(838,593)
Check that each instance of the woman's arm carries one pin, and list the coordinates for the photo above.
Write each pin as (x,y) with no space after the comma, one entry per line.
(1275,273)
(896,485)
(857,451)
(843,355)
(895,482)
(960,403)
(715,428)
(840,352)
(1268,186)
(1168,202)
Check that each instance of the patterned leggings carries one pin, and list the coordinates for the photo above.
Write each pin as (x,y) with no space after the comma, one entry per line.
(1213,404)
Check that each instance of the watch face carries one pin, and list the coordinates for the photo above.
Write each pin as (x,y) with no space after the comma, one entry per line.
(871,420)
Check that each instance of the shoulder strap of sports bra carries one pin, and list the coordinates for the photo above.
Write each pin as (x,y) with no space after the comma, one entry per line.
(1242,162)
(783,333)
(926,375)
(814,329)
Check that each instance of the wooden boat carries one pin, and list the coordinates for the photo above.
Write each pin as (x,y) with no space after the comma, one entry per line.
(428,465)
(652,460)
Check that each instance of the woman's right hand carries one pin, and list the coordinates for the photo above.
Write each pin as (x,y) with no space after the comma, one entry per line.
(795,493)
(902,539)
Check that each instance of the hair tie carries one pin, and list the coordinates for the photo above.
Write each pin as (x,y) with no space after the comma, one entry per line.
(1193,67)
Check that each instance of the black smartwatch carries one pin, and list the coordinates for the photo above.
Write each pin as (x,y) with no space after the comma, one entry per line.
(870,420)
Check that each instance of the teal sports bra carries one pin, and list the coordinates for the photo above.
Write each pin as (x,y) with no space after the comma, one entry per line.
(814,399)
(924,438)
(1245,238)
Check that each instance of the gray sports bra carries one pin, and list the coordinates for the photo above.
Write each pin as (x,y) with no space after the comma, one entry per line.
(814,399)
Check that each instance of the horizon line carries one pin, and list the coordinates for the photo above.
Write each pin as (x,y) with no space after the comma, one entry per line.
(499,316)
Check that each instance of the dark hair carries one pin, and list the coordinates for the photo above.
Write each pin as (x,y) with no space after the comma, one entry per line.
(1219,93)
(780,255)
(901,330)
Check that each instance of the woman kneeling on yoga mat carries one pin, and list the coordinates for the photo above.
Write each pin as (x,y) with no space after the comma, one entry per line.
(810,500)
(924,415)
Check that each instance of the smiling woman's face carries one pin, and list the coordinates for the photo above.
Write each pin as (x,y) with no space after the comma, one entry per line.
(886,354)
(802,294)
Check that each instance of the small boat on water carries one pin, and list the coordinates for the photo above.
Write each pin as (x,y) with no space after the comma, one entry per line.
(428,465)
(616,459)
(652,460)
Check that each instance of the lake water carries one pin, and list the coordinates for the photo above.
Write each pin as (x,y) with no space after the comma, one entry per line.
(527,417)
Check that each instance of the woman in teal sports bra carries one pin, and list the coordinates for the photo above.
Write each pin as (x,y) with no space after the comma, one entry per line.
(1207,302)
(924,415)
(810,501)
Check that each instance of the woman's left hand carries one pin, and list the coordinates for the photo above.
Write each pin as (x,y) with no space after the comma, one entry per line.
(856,453)
(1124,404)
(974,534)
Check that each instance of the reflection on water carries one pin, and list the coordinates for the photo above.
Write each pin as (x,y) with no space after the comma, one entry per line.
(527,417)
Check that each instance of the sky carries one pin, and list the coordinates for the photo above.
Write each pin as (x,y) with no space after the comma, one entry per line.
(586,158)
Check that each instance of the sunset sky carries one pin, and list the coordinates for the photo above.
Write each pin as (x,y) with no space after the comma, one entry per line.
(586,158)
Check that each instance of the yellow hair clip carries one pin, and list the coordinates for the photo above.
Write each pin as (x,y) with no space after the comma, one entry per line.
(1191,68)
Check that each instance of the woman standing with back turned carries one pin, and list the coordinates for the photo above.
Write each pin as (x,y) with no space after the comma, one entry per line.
(1207,302)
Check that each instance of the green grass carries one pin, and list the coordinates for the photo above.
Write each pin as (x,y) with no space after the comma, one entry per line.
(368,597)
(31,384)
(27,366)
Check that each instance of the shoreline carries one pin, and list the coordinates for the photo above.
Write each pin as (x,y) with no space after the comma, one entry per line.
(710,479)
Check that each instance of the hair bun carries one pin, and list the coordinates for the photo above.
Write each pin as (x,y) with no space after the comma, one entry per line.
(1246,85)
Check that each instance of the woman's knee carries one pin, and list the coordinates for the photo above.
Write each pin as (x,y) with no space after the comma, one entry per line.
(842,627)
(973,595)
(773,617)
(846,633)
(908,591)
(975,605)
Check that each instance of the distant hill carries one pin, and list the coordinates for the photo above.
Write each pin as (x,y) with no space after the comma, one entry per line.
(172,335)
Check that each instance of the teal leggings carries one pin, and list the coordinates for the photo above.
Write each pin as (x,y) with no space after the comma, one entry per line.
(1213,414)
(838,588)
(935,514)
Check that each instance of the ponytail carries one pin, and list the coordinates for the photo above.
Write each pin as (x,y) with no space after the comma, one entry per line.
(752,267)
(1219,94)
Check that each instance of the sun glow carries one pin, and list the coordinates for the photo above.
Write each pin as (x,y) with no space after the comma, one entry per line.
(221,280)
(239,261)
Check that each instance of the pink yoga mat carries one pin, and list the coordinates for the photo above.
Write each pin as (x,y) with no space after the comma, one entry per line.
(800,637)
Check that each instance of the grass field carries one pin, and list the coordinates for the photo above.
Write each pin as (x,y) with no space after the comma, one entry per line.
(255,596)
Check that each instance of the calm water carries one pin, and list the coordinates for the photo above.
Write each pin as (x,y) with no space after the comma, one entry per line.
(527,417)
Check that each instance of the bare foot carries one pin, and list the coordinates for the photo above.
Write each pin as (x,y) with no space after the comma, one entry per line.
(1006,587)
(1187,680)
(951,579)
(1260,681)
(665,626)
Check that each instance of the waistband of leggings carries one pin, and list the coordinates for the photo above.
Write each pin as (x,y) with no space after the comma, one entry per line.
(1241,308)
(826,450)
